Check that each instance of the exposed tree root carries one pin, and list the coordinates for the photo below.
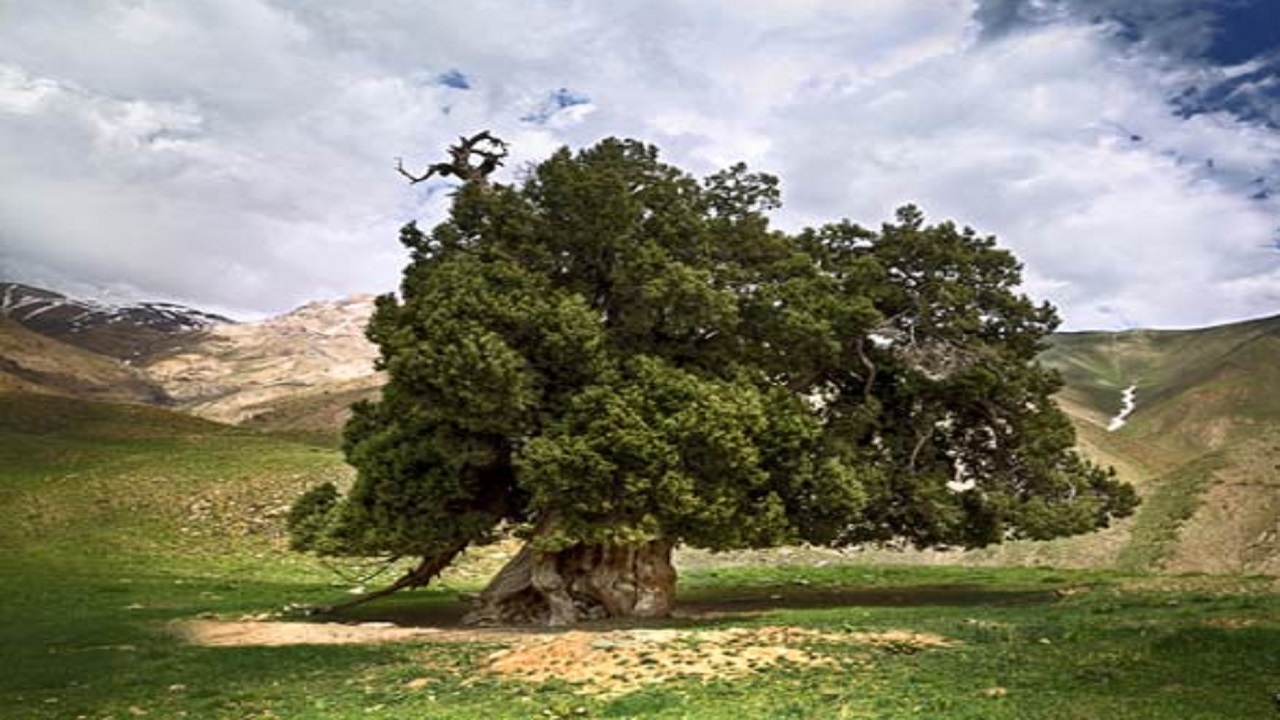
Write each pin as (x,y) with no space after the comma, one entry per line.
(536,587)
(583,582)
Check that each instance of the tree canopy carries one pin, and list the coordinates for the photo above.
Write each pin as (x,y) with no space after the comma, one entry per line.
(613,352)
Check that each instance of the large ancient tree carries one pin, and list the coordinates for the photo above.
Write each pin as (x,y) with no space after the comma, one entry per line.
(611,358)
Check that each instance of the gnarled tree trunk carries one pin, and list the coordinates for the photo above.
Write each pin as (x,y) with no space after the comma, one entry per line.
(583,582)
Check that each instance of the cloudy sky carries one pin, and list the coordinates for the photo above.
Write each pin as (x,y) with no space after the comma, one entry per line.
(238,154)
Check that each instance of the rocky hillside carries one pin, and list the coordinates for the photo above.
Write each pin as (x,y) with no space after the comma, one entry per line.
(295,372)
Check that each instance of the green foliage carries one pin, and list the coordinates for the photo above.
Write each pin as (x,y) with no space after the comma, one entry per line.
(634,353)
(309,515)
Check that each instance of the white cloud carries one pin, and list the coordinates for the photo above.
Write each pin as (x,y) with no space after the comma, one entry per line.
(239,153)
(20,94)
(1068,152)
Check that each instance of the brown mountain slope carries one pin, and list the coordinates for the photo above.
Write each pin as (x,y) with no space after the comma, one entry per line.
(1232,524)
(296,374)
(31,362)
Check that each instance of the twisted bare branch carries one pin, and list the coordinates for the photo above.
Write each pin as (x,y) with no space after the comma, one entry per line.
(473,159)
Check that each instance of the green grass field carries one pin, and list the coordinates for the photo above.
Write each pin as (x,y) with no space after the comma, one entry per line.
(120,521)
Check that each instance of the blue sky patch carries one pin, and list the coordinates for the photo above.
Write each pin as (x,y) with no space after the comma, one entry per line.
(455,79)
(554,103)
(1246,29)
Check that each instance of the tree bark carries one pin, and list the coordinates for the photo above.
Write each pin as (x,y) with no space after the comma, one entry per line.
(582,582)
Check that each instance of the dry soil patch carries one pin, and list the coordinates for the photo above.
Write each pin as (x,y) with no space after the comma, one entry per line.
(603,662)
(625,660)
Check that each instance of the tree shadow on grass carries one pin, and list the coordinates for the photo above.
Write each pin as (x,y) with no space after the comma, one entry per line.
(806,598)
(440,609)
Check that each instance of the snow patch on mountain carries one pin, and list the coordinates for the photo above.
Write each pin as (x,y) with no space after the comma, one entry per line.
(1128,401)
(25,304)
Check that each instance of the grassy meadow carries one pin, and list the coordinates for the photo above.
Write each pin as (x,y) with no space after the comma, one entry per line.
(120,521)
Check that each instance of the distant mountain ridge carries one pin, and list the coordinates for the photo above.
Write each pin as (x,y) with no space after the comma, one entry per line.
(35,363)
(297,373)
(125,332)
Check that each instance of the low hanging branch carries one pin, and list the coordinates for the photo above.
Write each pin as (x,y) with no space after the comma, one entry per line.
(359,580)
(473,159)
(421,575)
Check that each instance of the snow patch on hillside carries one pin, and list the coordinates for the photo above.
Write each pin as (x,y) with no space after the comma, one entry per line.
(1128,401)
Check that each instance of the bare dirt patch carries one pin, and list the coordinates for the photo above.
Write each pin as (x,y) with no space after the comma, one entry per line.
(607,662)
(257,633)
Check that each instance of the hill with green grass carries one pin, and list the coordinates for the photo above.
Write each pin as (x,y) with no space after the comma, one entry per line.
(1202,441)
(98,480)
(1196,390)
